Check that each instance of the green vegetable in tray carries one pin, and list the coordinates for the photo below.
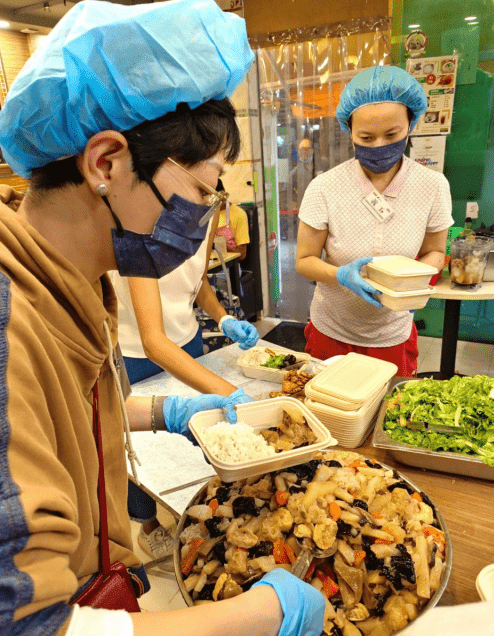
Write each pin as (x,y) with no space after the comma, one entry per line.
(460,402)
(280,361)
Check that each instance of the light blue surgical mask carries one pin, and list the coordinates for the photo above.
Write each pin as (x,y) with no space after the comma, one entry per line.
(177,235)
(380,159)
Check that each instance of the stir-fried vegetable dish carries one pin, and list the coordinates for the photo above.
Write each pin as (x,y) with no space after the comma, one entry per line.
(388,550)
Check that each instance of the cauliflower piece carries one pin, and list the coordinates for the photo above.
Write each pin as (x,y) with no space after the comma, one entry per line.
(237,564)
(324,533)
(303,530)
(283,518)
(241,537)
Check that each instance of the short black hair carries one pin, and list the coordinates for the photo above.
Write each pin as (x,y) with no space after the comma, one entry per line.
(189,136)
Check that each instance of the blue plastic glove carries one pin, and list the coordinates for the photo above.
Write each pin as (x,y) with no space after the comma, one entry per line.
(240,331)
(177,411)
(303,606)
(349,276)
(237,397)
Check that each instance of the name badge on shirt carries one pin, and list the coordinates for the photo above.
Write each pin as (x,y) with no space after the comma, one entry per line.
(378,206)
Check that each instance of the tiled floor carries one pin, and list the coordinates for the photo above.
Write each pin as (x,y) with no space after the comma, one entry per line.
(471,358)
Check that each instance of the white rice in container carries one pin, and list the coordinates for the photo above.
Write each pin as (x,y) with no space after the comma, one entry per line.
(235,443)
(254,357)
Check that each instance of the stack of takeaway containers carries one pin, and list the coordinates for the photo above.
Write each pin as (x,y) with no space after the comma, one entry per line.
(347,395)
(404,283)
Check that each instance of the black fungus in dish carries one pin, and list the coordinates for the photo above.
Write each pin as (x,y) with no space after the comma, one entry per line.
(401,484)
(218,551)
(334,464)
(212,527)
(222,494)
(245,506)
(305,471)
(401,567)
(206,594)
(380,602)
(263,548)
(288,360)
(344,528)
(371,561)
(426,500)
(358,503)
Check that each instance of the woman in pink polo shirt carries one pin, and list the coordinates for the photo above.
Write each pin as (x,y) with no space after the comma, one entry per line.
(378,108)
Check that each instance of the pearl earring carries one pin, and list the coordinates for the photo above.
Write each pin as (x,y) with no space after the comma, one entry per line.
(102,190)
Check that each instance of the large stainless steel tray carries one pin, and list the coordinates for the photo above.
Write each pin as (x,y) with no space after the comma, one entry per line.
(444,462)
(402,632)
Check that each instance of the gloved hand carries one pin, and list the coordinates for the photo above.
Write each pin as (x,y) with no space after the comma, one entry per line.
(240,331)
(349,276)
(177,411)
(303,606)
(237,397)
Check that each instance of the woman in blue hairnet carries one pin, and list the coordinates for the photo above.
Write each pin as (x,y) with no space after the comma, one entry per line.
(120,179)
(379,203)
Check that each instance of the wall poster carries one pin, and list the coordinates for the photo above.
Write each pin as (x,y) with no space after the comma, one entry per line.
(437,75)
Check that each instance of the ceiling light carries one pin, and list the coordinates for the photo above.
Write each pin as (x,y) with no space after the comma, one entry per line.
(470,23)
(413,26)
(4,24)
(472,17)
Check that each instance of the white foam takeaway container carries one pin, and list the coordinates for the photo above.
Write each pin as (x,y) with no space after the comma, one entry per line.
(400,273)
(403,300)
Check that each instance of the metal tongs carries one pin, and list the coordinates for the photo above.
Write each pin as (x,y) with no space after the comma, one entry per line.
(437,428)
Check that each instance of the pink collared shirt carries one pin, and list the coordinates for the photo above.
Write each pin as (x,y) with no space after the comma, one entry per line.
(421,202)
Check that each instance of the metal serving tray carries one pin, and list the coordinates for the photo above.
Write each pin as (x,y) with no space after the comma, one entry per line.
(448,564)
(444,462)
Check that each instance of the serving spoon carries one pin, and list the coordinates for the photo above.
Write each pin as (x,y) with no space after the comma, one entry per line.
(309,551)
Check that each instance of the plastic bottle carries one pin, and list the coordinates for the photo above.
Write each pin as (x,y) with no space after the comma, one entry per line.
(467,228)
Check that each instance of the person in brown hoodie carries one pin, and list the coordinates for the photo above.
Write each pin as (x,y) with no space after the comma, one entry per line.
(120,175)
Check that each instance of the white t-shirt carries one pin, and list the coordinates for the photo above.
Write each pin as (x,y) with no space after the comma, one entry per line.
(421,201)
(178,291)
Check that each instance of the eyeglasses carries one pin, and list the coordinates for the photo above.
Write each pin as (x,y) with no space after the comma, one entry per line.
(215,198)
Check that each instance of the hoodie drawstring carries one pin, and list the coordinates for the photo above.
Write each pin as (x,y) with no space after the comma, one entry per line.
(131,454)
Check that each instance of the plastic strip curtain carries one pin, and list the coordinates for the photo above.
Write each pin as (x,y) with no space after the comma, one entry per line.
(300,85)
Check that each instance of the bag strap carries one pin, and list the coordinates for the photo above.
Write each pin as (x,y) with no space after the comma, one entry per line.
(227,276)
(227,214)
(104,545)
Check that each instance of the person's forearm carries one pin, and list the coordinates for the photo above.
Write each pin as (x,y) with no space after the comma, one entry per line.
(206,299)
(257,611)
(314,268)
(435,259)
(182,366)
(139,412)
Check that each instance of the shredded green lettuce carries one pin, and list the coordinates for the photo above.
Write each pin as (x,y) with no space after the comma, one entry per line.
(460,402)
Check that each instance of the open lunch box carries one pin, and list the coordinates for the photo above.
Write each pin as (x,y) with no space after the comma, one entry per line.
(261,415)
(251,365)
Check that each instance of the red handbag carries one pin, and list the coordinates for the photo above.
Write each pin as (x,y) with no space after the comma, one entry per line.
(112,588)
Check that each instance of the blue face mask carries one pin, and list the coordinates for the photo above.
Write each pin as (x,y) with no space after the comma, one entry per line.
(176,237)
(381,158)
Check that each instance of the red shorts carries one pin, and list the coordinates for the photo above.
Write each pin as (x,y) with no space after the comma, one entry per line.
(403,355)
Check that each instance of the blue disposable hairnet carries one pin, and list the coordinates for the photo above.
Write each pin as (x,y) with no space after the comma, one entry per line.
(381,84)
(110,67)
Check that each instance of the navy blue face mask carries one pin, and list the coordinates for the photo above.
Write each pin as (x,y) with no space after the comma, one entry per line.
(381,158)
(176,237)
